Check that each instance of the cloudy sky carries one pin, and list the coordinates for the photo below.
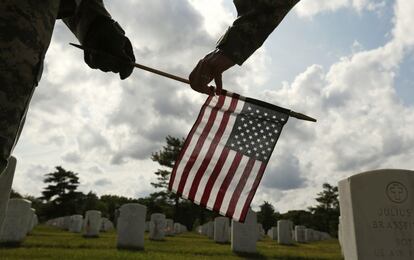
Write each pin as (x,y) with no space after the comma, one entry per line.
(348,63)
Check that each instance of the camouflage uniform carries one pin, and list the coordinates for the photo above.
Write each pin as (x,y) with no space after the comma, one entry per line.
(256,20)
(26,28)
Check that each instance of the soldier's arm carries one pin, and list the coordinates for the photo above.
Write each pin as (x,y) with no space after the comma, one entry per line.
(95,29)
(85,14)
(256,20)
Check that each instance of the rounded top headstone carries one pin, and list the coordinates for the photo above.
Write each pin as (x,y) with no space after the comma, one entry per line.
(157,216)
(19,204)
(131,208)
(395,184)
(93,212)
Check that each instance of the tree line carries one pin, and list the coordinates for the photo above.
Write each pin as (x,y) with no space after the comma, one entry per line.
(60,197)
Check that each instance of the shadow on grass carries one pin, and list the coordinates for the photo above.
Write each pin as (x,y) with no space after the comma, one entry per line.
(295,258)
(91,237)
(291,245)
(157,241)
(10,244)
(251,255)
(129,249)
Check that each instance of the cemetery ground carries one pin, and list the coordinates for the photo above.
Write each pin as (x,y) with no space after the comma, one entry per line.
(51,243)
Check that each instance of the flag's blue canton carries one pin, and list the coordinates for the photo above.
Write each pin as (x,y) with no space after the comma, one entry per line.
(256,131)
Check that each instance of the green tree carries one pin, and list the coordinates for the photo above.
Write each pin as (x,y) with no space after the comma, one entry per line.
(60,193)
(267,216)
(327,211)
(166,157)
(113,202)
(328,198)
(91,201)
(299,217)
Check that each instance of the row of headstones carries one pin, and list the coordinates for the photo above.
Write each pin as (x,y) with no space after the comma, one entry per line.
(243,236)
(285,235)
(377,215)
(159,221)
(19,221)
(76,223)
(131,225)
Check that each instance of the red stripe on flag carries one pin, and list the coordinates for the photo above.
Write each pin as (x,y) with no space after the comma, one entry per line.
(240,187)
(213,176)
(252,192)
(226,182)
(188,141)
(211,150)
(199,145)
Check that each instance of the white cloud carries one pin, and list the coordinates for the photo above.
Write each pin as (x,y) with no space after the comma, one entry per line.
(309,8)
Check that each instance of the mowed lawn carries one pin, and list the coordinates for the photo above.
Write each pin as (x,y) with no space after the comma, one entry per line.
(51,243)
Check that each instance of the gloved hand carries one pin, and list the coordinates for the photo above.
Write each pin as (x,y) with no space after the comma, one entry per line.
(107,36)
(208,68)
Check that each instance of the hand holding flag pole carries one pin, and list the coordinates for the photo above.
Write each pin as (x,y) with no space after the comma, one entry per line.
(174,77)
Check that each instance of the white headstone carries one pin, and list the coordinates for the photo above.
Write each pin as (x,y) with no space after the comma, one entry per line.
(210,229)
(300,234)
(177,228)
(309,235)
(169,228)
(260,231)
(221,230)
(35,221)
(6,180)
(16,221)
(316,235)
(377,215)
(59,222)
(32,214)
(272,233)
(184,228)
(106,225)
(340,236)
(131,226)
(204,229)
(326,236)
(284,234)
(198,229)
(243,238)
(66,222)
(157,226)
(91,223)
(76,222)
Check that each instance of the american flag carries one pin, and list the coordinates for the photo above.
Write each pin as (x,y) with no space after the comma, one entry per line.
(226,153)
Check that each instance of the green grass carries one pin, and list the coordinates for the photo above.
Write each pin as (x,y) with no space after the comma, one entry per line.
(50,243)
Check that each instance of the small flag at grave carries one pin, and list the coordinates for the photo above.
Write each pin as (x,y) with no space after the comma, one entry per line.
(226,153)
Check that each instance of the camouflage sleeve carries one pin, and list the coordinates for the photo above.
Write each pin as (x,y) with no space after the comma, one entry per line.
(256,20)
(85,14)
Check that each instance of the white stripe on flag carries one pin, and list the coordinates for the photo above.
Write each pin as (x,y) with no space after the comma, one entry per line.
(205,147)
(193,143)
(223,173)
(246,190)
(233,184)
(218,152)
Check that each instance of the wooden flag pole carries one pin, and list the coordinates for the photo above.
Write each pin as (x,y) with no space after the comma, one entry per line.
(177,78)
